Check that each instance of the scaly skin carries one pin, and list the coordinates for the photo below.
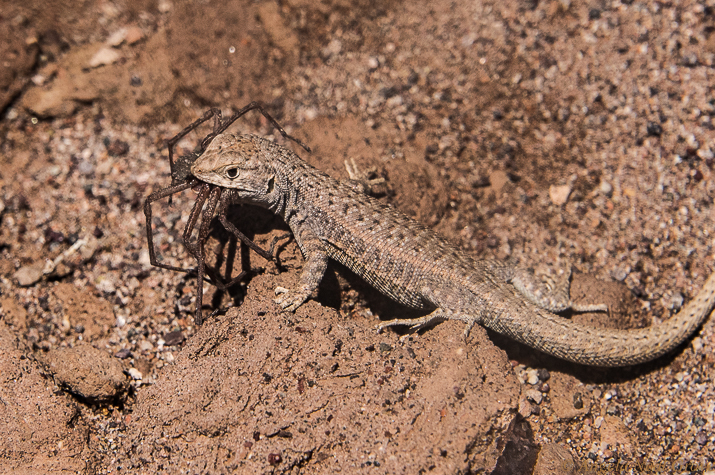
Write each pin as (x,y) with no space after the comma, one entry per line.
(414,266)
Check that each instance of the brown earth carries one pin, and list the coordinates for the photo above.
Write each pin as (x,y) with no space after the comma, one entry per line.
(553,133)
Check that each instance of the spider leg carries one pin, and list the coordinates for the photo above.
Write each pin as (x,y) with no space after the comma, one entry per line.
(171,143)
(252,106)
(222,207)
(203,192)
(206,217)
(157,195)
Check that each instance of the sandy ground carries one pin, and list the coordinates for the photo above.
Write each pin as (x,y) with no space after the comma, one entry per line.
(553,133)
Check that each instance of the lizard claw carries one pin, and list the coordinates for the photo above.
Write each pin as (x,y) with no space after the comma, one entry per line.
(416,324)
(290,300)
(411,324)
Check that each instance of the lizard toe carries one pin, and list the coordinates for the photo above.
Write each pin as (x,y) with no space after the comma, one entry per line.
(289,301)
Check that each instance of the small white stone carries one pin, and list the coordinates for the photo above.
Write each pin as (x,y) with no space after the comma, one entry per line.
(103,57)
(135,374)
(117,38)
(165,6)
(559,194)
(673,301)
(311,113)
(28,275)
(597,422)
(333,48)
(606,188)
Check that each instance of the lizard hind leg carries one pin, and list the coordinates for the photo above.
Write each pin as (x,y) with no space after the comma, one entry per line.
(549,294)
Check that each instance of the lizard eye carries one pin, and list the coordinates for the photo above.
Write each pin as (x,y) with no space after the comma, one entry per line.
(232,173)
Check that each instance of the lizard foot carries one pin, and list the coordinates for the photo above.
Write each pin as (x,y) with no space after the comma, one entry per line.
(360,180)
(415,324)
(290,300)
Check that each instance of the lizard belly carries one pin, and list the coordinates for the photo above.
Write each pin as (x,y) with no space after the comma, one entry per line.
(397,282)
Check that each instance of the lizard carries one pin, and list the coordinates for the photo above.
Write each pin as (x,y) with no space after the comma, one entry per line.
(411,264)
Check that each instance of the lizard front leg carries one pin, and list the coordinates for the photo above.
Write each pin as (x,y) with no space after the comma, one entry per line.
(316,261)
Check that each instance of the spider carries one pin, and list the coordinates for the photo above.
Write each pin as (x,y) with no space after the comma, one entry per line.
(211,199)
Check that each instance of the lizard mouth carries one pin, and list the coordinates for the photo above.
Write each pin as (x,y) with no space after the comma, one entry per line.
(207,178)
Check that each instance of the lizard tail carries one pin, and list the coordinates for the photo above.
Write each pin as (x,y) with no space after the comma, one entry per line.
(592,346)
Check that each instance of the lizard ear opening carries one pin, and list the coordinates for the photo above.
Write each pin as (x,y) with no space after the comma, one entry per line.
(271,185)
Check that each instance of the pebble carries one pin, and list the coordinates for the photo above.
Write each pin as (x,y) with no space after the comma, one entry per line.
(532,377)
(559,194)
(606,188)
(164,6)
(135,374)
(117,38)
(88,372)
(173,338)
(134,34)
(534,396)
(544,374)
(620,273)
(673,301)
(103,57)
(333,48)
(554,459)
(28,275)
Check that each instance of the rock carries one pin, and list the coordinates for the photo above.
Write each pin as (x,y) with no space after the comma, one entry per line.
(333,48)
(29,275)
(164,6)
(134,35)
(135,374)
(103,57)
(554,459)
(87,372)
(497,180)
(569,397)
(534,396)
(18,64)
(117,38)
(48,102)
(559,194)
(173,338)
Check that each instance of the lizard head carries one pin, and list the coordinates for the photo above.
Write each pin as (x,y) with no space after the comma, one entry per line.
(236,162)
